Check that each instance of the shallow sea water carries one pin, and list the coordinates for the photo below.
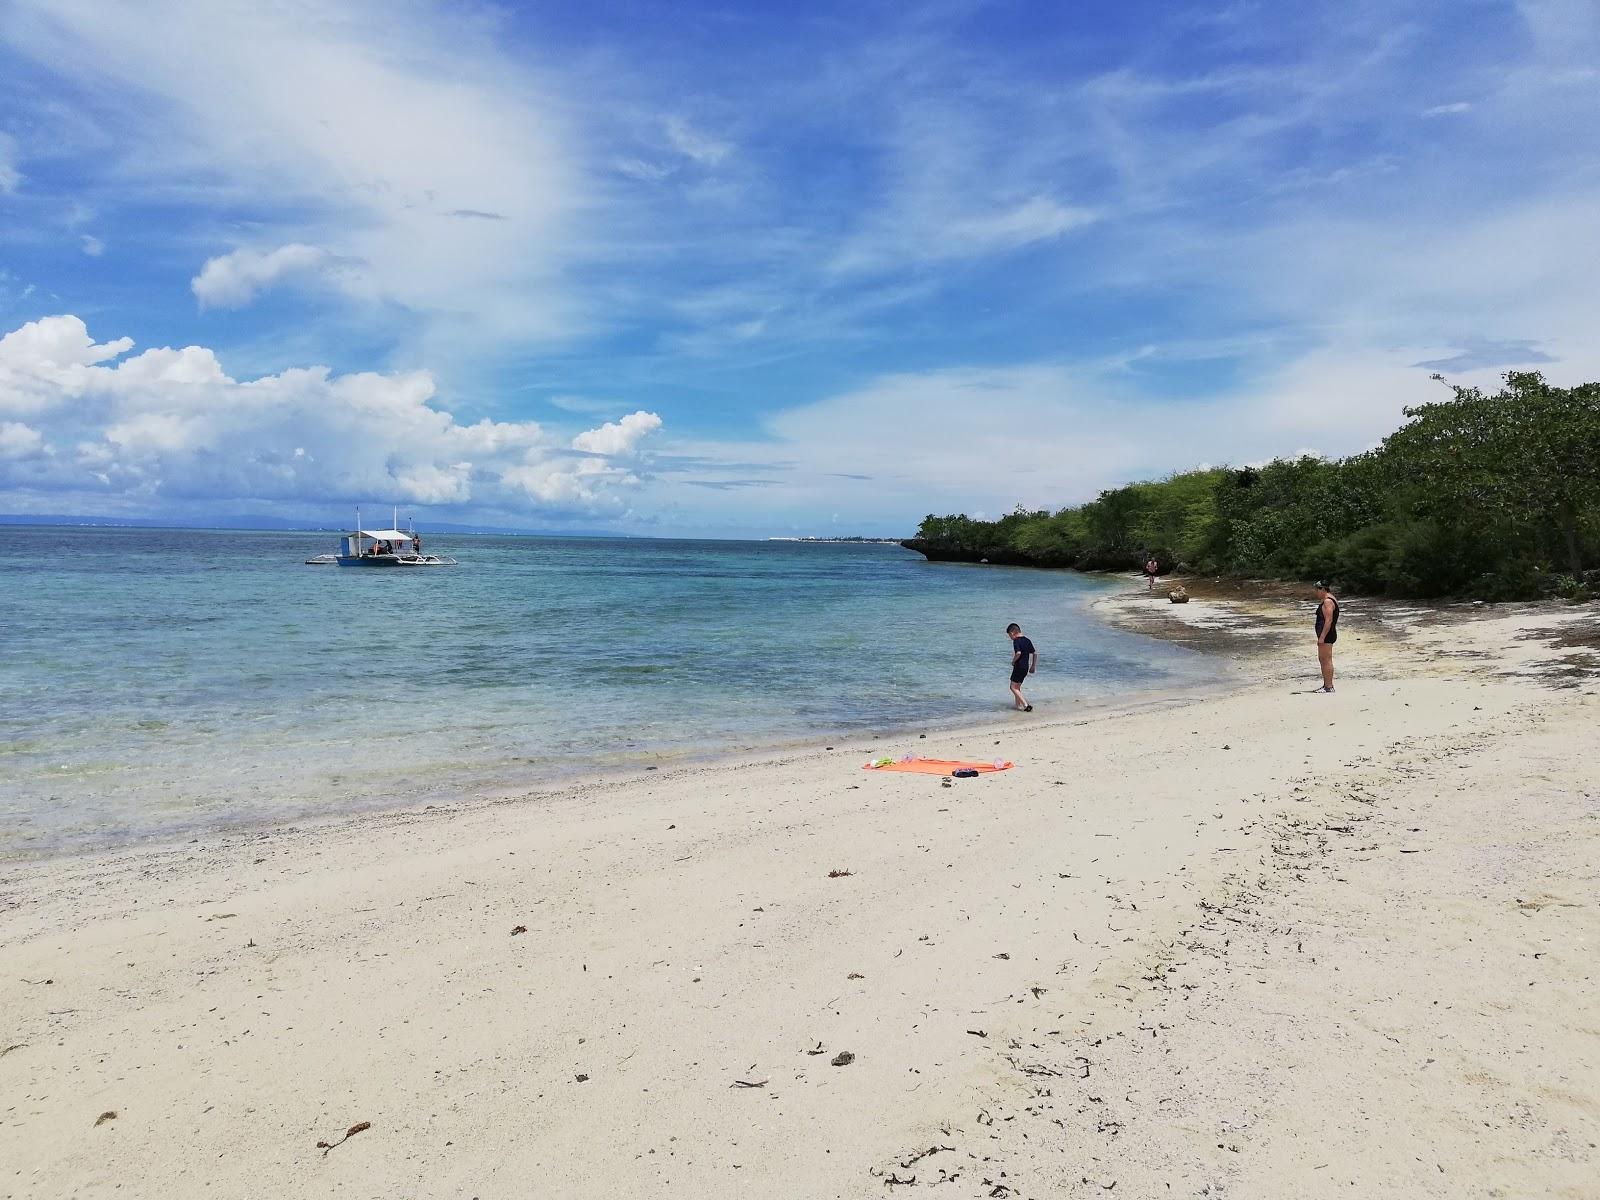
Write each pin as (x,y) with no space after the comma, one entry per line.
(156,682)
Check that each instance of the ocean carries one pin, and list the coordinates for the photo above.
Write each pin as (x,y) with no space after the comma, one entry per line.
(157,683)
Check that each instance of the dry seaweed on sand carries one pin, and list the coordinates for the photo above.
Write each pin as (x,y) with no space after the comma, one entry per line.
(358,1127)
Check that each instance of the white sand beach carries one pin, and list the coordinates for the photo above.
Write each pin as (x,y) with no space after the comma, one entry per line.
(1252,943)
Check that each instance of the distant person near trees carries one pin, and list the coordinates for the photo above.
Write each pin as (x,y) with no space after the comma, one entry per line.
(1024,662)
(1327,633)
(1152,568)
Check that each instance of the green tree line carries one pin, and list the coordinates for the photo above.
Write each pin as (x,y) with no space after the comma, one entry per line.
(1494,497)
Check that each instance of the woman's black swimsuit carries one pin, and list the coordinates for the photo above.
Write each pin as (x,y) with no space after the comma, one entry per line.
(1333,626)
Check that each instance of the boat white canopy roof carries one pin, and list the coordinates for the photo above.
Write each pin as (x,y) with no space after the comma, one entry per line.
(383,535)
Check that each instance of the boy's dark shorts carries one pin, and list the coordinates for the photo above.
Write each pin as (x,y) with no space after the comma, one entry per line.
(1018,674)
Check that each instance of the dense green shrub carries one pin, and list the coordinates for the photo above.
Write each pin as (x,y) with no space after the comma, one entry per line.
(1491,496)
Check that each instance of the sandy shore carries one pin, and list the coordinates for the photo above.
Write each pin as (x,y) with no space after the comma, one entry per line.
(1258,944)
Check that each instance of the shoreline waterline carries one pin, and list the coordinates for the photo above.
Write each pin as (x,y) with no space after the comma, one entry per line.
(922,739)
(169,683)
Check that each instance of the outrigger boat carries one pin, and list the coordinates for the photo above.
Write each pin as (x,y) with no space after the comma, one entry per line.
(380,548)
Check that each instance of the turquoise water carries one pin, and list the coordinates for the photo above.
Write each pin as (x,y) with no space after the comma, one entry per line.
(156,682)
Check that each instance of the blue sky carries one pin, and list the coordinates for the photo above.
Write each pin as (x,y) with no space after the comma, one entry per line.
(764,269)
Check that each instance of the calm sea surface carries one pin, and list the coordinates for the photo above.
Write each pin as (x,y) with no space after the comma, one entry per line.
(155,682)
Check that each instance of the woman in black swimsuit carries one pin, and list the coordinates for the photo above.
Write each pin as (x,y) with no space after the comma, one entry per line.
(1327,633)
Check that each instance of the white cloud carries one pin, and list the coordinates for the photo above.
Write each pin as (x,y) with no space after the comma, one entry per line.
(1035,220)
(695,144)
(991,436)
(1444,110)
(984,439)
(235,279)
(370,129)
(19,441)
(963,178)
(1348,309)
(171,426)
(92,246)
(10,175)
(618,437)
(47,363)
(586,486)
(941,232)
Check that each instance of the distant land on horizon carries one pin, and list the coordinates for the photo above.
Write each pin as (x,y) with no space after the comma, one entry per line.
(853,538)
(286,525)
(283,525)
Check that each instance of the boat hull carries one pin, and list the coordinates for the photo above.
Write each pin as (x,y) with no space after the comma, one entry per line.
(390,560)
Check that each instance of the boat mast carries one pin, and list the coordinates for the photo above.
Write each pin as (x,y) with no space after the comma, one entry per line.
(358,531)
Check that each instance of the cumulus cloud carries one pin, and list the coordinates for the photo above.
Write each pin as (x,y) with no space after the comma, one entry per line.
(618,437)
(46,363)
(92,246)
(171,425)
(19,441)
(234,280)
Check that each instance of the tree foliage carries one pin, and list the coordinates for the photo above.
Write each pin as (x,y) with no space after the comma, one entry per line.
(1489,496)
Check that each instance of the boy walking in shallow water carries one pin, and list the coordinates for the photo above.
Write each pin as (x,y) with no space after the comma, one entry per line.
(1024,661)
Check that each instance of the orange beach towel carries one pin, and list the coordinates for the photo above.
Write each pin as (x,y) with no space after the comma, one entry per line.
(939,766)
